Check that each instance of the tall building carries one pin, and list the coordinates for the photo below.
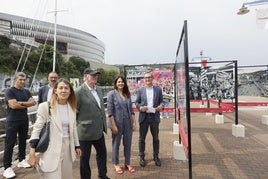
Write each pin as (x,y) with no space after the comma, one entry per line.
(70,41)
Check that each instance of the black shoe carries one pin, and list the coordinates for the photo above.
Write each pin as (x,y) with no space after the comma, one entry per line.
(157,161)
(106,177)
(142,162)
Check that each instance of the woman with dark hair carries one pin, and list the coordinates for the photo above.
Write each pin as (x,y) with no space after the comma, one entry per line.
(122,122)
(56,161)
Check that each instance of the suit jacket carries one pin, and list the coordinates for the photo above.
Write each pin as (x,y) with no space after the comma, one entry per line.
(91,119)
(42,94)
(141,100)
(115,105)
(49,160)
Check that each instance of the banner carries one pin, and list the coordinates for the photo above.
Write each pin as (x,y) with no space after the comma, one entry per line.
(163,77)
(262,18)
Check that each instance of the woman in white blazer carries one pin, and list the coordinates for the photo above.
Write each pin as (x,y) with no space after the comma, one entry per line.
(56,161)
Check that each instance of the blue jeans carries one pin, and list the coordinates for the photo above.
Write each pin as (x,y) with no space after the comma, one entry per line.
(149,121)
(12,129)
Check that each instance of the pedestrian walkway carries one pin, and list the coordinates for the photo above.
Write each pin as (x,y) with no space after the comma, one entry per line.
(216,153)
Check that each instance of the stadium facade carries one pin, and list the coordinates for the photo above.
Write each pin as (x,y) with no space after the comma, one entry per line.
(70,41)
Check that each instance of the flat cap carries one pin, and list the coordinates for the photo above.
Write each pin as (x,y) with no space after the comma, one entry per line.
(91,71)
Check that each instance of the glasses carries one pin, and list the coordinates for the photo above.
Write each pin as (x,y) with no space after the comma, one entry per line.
(147,77)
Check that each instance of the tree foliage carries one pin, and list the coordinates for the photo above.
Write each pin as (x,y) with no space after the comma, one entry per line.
(72,68)
(4,42)
(79,63)
(8,60)
(106,78)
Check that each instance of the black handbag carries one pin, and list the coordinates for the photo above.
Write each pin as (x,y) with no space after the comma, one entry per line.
(44,135)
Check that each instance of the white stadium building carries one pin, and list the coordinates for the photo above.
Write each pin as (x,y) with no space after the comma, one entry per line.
(70,41)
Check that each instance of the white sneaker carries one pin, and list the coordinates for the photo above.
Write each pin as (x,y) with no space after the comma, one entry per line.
(24,164)
(9,173)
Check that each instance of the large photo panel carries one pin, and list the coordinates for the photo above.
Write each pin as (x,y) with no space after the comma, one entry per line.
(163,75)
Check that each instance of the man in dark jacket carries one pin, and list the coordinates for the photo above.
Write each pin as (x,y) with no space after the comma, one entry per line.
(149,102)
(91,123)
(46,91)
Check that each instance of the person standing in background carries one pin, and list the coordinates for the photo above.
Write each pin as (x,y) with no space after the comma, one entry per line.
(166,105)
(122,120)
(45,92)
(17,99)
(91,123)
(56,161)
(149,102)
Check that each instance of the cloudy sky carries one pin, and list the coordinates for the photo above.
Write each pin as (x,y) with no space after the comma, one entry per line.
(148,31)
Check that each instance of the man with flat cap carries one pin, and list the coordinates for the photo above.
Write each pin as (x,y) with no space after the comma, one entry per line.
(91,124)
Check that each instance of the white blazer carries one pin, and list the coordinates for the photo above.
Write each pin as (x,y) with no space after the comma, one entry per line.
(49,160)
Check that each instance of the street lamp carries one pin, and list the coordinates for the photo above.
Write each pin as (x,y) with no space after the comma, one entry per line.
(243,10)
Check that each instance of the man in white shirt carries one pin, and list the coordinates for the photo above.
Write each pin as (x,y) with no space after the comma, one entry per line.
(149,101)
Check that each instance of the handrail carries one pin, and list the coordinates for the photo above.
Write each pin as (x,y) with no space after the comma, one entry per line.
(4,135)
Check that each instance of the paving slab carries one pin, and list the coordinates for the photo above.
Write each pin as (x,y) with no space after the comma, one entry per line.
(216,153)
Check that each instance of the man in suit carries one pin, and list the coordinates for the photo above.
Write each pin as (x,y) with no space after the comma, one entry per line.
(149,102)
(91,123)
(46,91)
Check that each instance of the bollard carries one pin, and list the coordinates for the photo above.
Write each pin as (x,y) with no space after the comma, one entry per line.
(264,119)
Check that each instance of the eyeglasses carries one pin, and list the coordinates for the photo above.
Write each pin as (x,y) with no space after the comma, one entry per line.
(147,77)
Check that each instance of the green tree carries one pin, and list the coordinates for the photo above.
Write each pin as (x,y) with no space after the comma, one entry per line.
(4,42)
(107,77)
(46,61)
(8,60)
(68,70)
(79,63)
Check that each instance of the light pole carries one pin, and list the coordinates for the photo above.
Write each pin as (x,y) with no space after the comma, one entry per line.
(244,10)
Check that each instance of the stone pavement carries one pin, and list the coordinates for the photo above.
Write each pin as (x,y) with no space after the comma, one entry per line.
(216,153)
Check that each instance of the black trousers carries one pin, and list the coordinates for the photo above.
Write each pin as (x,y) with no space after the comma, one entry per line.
(101,158)
(149,121)
(12,129)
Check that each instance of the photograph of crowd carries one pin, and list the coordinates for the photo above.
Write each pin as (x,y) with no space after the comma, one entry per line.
(214,81)
(253,80)
(163,77)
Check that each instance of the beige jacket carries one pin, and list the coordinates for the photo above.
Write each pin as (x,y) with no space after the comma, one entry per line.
(49,160)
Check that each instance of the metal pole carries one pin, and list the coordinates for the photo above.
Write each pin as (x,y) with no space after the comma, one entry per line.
(255,3)
(266,73)
(188,107)
(55,37)
(219,104)
(236,94)
(175,91)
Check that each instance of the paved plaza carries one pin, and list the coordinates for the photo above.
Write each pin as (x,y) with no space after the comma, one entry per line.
(216,153)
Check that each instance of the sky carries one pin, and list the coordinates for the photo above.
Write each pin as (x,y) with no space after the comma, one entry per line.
(139,32)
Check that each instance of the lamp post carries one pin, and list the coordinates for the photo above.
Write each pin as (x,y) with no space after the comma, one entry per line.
(244,10)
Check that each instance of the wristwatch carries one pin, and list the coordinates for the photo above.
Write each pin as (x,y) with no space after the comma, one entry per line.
(21,103)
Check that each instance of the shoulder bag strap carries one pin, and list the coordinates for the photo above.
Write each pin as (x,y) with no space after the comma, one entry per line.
(49,107)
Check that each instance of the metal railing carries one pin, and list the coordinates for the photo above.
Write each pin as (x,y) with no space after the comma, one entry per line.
(32,117)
